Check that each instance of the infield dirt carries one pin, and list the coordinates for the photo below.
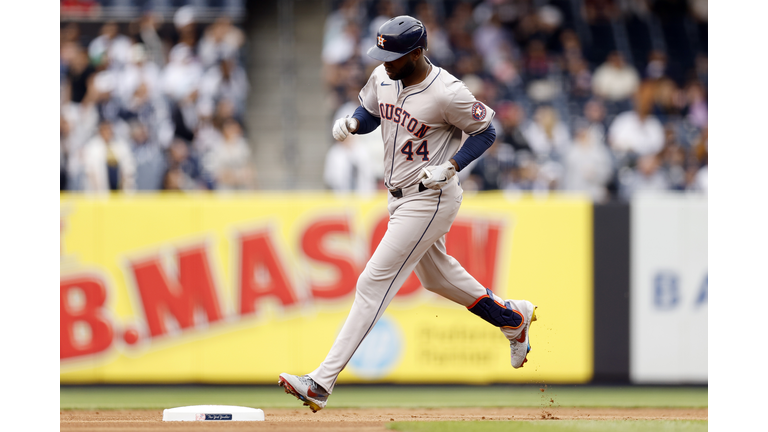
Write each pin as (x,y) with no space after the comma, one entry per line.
(367,420)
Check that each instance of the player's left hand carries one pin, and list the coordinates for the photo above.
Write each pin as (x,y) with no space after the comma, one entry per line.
(435,177)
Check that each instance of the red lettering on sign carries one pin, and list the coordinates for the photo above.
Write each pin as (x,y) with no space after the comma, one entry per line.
(412,284)
(261,273)
(474,244)
(162,296)
(314,246)
(82,301)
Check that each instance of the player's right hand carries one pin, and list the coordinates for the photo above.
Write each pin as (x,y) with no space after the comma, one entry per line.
(435,177)
(343,127)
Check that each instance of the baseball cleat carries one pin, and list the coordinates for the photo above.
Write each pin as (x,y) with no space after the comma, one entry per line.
(519,345)
(305,389)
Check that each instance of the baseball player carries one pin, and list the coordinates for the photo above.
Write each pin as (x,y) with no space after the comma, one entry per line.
(419,106)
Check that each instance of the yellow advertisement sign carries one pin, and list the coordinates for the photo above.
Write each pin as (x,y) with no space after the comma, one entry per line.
(239,288)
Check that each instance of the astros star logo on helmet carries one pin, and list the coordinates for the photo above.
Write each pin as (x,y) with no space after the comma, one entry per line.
(381,41)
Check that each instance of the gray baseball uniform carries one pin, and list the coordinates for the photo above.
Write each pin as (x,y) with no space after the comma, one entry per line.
(417,124)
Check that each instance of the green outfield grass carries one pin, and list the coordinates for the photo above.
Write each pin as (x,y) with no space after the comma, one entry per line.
(161,397)
(549,426)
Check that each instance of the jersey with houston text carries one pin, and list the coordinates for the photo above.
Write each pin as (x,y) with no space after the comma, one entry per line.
(418,121)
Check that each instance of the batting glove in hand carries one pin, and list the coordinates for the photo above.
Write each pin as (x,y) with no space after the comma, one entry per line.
(435,177)
(343,127)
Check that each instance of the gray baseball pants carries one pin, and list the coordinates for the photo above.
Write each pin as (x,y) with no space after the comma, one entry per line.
(415,240)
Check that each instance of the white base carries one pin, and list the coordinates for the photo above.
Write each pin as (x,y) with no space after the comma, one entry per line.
(213,413)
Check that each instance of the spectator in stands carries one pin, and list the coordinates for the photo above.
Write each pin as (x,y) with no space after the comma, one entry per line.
(493,170)
(477,86)
(598,15)
(588,164)
(143,107)
(64,137)
(181,79)
(637,132)
(615,80)
(490,39)
(112,44)
(595,116)
(700,180)
(150,162)
(673,160)
(506,74)
(181,76)
(104,90)
(136,72)
(348,11)
(144,31)
(549,28)
(571,46)
(657,65)
(511,117)
(647,177)
(343,46)
(229,162)
(669,101)
(108,162)
(221,40)
(440,52)
(225,109)
(701,148)
(538,66)
(184,169)
(186,26)
(527,175)
(69,45)
(550,140)
(461,25)
(348,168)
(174,180)
(536,61)
(697,105)
(79,76)
(702,70)
(540,23)
(208,132)
(698,172)
(81,122)
(547,136)
(227,80)
(579,81)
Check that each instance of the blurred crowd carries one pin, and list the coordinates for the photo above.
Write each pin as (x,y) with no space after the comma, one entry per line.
(145,109)
(607,97)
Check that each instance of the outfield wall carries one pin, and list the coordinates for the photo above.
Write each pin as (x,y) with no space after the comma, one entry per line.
(651,290)
(669,286)
(238,288)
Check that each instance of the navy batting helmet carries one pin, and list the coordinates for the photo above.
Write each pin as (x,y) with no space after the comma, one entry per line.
(397,37)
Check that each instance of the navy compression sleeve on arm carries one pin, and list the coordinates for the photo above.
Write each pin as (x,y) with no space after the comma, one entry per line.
(474,146)
(368,123)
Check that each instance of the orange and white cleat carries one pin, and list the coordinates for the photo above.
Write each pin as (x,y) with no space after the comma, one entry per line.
(305,389)
(520,346)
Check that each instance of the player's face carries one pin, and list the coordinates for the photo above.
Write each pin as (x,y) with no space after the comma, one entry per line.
(401,68)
